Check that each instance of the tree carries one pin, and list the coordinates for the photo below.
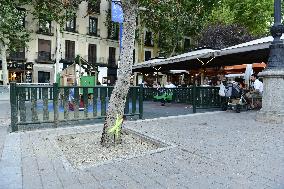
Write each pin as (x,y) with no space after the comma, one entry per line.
(256,16)
(58,11)
(12,31)
(173,20)
(157,11)
(219,35)
(121,88)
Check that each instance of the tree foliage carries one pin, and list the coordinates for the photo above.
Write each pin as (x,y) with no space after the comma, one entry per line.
(172,20)
(13,34)
(221,35)
(256,16)
(58,11)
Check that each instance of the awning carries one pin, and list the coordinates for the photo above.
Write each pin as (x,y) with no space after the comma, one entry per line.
(246,53)
(180,62)
(243,66)
(254,51)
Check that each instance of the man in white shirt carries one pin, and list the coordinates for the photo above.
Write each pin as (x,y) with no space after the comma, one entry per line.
(170,85)
(257,85)
(254,97)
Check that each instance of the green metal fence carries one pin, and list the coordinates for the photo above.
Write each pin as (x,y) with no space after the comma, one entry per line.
(36,104)
(198,97)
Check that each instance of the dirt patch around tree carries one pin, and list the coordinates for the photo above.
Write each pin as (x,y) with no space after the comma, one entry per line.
(84,149)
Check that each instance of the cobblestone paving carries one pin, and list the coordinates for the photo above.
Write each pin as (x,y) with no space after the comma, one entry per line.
(212,150)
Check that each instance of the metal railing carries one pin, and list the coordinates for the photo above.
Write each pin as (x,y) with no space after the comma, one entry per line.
(36,104)
(198,97)
(44,56)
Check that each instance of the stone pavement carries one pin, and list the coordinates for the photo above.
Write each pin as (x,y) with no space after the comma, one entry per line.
(210,150)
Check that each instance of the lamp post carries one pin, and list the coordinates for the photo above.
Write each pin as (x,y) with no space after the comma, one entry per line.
(273,76)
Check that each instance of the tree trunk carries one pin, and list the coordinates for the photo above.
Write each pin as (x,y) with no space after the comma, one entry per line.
(58,51)
(173,51)
(119,94)
(4,64)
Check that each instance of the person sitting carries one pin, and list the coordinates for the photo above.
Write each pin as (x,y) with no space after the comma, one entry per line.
(255,94)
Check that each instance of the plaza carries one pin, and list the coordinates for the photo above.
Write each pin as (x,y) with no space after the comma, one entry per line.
(204,150)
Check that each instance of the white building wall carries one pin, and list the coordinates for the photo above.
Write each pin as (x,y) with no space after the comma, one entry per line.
(82,39)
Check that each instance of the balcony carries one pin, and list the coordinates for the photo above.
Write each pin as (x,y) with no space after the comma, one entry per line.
(149,43)
(44,27)
(112,63)
(72,29)
(93,32)
(149,39)
(17,56)
(94,8)
(44,57)
(92,60)
(45,31)
(113,33)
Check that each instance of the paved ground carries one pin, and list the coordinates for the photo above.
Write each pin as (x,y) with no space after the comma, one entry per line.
(210,150)
(4,122)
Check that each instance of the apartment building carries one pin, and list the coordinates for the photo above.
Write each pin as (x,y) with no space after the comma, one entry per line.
(91,37)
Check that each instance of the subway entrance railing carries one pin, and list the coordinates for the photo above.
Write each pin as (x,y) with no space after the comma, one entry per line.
(36,104)
(198,97)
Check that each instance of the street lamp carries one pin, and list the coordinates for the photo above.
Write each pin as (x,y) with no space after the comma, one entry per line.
(273,76)
(276,57)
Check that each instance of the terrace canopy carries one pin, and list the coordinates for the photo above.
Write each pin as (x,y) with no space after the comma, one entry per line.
(255,51)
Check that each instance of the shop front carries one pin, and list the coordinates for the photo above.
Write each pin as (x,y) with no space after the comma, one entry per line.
(20,72)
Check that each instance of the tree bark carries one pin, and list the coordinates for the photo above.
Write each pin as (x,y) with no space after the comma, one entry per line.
(173,51)
(3,48)
(58,51)
(119,94)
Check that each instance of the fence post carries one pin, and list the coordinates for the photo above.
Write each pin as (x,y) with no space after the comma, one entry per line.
(14,108)
(55,103)
(194,99)
(141,96)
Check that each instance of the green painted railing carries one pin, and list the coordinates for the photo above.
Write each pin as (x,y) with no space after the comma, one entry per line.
(198,97)
(36,104)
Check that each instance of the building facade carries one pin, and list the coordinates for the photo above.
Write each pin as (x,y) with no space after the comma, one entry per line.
(91,36)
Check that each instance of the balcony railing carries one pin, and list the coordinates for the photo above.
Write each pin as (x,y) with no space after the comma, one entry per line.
(69,58)
(72,29)
(112,62)
(92,59)
(17,56)
(113,33)
(45,31)
(93,32)
(44,56)
(149,43)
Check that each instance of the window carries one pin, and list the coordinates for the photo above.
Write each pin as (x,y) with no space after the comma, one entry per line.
(94,7)
(44,50)
(113,31)
(148,55)
(44,27)
(133,56)
(22,20)
(19,54)
(111,59)
(93,26)
(71,25)
(149,39)
(186,44)
(43,77)
(92,53)
(69,50)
